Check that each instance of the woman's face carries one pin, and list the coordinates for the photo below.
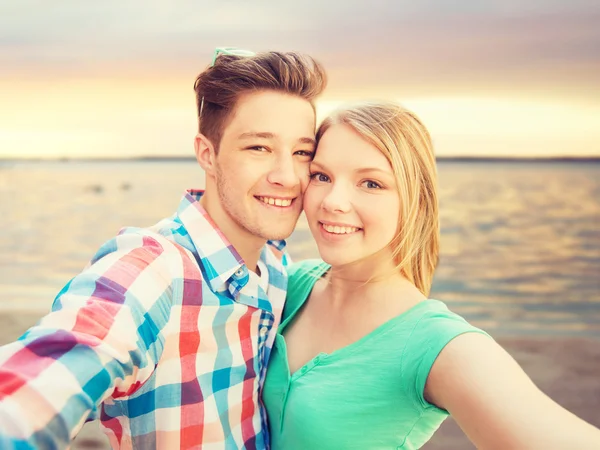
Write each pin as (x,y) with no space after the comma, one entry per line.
(352,203)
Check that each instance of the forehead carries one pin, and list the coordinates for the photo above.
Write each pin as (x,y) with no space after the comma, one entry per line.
(341,147)
(284,115)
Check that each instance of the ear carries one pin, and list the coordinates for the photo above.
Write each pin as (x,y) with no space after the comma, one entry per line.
(205,153)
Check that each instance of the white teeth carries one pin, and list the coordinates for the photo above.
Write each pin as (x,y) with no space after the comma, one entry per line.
(335,229)
(276,201)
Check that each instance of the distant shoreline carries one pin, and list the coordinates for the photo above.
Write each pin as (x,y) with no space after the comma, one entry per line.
(470,159)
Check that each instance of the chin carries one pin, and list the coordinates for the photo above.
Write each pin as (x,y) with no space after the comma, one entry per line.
(277,234)
(336,259)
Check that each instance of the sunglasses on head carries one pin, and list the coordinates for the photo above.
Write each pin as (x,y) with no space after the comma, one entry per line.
(229,51)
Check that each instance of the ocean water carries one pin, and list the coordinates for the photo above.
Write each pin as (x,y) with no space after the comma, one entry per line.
(520,251)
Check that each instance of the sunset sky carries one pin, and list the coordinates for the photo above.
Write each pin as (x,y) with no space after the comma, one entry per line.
(114,78)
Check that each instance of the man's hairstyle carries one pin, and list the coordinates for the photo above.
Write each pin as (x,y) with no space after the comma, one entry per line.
(220,86)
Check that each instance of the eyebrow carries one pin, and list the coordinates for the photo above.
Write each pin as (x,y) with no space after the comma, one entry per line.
(363,170)
(267,135)
(256,134)
(373,169)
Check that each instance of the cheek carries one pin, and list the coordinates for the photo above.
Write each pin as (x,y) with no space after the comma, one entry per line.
(303,172)
(230,180)
(311,201)
(392,222)
(243,174)
(381,216)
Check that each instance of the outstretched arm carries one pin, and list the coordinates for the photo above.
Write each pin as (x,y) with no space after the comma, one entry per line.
(102,340)
(496,404)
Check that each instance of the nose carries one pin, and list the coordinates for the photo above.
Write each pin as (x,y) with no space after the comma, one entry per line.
(287,172)
(337,199)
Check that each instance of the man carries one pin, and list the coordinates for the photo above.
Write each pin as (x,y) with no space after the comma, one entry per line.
(166,336)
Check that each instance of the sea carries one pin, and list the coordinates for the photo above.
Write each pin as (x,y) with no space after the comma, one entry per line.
(520,248)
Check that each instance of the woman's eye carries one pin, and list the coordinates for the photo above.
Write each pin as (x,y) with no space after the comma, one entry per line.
(318,176)
(369,184)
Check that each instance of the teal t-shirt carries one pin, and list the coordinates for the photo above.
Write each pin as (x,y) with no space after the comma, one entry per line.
(367,395)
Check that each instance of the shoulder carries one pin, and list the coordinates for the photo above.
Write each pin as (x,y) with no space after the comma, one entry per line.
(302,277)
(433,328)
(128,240)
(139,248)
(135,267)
(436,319)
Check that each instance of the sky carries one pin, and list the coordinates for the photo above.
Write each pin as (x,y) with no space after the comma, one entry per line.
(507,78)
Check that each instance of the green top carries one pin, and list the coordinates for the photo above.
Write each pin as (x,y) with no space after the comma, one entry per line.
(368,394)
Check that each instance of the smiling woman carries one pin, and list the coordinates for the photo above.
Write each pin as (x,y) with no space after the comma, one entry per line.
(364,358)
(342,186)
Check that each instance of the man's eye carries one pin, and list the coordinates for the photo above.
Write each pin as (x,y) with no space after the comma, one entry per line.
(258,148)
(308,153)
(318,176)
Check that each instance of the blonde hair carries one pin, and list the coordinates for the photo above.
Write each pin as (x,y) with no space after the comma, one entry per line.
(403,139)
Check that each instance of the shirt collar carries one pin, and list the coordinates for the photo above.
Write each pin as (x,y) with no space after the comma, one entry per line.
(220,260)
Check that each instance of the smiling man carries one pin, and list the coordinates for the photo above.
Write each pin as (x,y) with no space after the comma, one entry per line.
(166,335)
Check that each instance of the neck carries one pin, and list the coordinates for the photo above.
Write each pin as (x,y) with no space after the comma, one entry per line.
(245,243)
(368,280)
(377,267)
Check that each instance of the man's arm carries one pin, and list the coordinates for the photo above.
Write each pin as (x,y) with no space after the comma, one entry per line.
(102,340)
(496,404)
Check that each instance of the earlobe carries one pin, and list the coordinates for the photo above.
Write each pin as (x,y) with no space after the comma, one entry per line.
(205,153)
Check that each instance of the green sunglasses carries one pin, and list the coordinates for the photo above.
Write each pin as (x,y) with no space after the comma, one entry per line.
(225,51)
(230,51)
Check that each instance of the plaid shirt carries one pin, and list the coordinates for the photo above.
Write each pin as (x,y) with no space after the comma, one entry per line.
(165,337)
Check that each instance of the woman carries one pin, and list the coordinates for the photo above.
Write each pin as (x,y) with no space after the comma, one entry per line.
(364,359)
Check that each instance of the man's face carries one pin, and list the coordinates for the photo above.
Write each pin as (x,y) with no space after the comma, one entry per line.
(261,169)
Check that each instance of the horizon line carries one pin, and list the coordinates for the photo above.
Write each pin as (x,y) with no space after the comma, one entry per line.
(163,158)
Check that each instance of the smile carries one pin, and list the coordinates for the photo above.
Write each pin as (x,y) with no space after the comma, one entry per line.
(281,202)
(339,229)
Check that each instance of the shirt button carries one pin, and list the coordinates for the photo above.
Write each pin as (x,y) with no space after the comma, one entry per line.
(263,331)
(239,272)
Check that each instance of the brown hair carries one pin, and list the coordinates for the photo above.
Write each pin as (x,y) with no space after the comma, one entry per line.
(403,139)
(220,86)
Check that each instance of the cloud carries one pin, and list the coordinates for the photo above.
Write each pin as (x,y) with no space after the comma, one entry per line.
(96,66)
(439,35)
